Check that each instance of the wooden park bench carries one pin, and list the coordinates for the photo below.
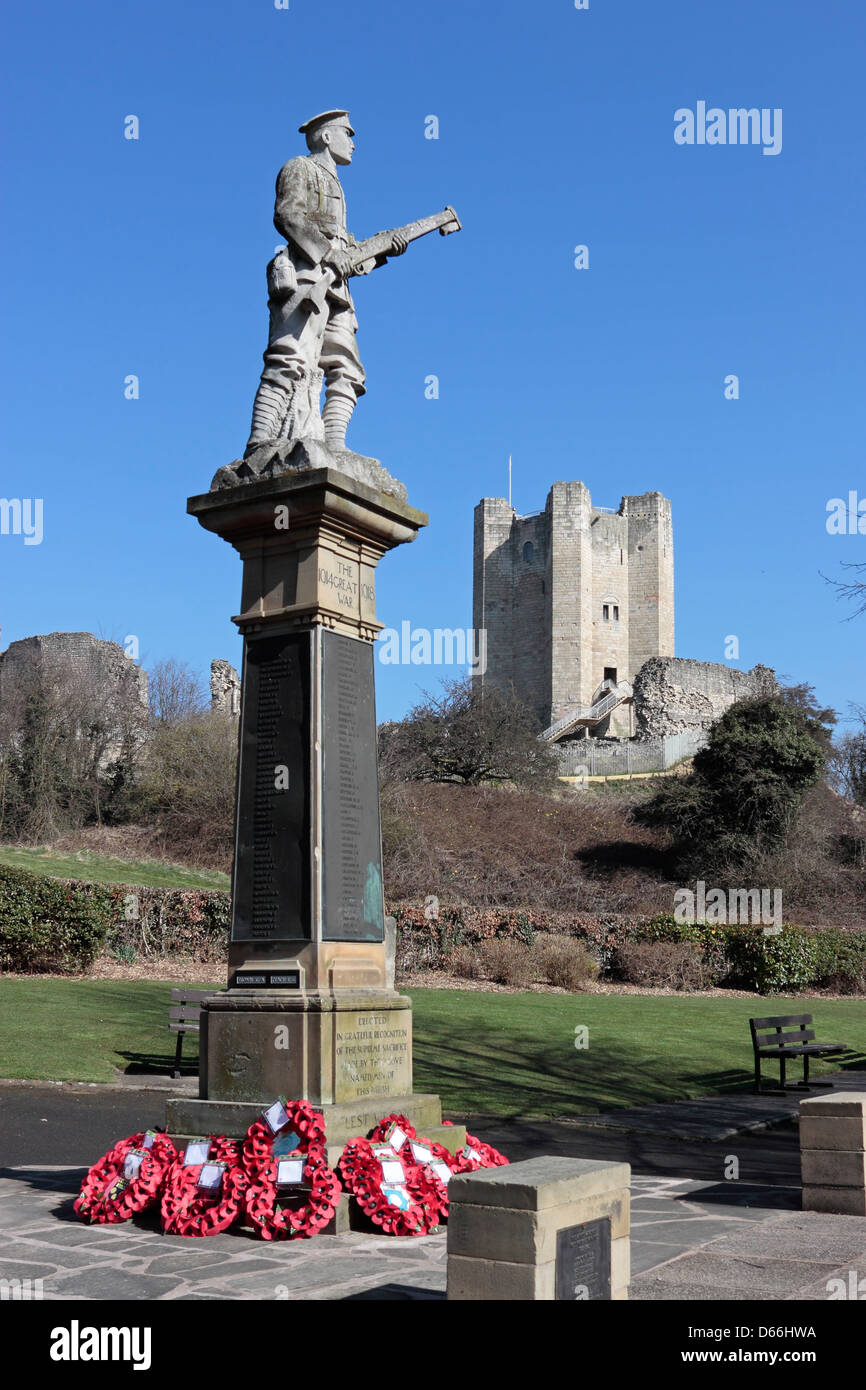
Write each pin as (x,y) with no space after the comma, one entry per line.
(183,1016)
(789,1035)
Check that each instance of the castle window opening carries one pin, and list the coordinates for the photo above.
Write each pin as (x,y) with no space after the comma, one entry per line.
(605,611)
(615,613)
(529,552)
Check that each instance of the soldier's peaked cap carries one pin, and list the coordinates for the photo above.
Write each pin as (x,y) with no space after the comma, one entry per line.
(322,118)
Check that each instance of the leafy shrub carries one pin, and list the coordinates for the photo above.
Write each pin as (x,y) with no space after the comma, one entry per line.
(466,963)
(772,964)
(709,937)
(663,964)
(47,924)
(524,930)
(747,783)
(841,961)
(565,962)
(507,962)
(124,954)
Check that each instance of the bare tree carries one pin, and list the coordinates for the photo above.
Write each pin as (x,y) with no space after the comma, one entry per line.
(174,692)
(186,785)
(462,736)
(854,589)
(847,766)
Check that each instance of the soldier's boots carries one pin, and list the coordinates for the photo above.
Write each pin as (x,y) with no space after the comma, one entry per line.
(269,409)
(336,416)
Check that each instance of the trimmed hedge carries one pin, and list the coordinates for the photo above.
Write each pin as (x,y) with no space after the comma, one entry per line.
(50,924)
(165,921)
(740,957)
(53,924)
(47,923)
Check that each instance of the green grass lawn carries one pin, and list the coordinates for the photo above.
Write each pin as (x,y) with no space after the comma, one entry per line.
(100,868)
(506,1054)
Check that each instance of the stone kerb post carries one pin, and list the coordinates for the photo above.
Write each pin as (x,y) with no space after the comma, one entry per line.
(833,1153)
(546,1229)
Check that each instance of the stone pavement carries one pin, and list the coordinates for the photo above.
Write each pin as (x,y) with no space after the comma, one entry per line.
(42,1238)
(689,1240)
(695,1233)
(689,1244)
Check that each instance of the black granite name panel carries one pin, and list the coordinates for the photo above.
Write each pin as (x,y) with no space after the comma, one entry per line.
(352,847)
(272,869)
(583,1261)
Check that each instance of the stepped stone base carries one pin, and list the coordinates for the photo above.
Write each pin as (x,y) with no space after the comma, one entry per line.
(186,1118)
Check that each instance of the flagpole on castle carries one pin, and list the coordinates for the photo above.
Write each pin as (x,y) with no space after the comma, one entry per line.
(509,480)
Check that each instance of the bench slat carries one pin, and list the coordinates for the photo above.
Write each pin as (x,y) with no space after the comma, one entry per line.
(779,1039)
(783,1021)
(183,1028)
(193,995)
(184,1010)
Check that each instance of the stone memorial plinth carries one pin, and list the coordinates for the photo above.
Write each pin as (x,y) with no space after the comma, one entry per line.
(310,1010)
(546,1229)
(833,1153)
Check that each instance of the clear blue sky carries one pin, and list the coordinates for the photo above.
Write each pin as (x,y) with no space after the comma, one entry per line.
(556,128)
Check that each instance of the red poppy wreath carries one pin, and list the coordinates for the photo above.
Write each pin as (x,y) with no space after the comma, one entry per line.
(434,1158)
(204,1189)
(401,1196)
(286,1127)
(126,1180)
(292,1196)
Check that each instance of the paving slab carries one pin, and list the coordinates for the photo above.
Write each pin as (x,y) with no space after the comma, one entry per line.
(746,1276)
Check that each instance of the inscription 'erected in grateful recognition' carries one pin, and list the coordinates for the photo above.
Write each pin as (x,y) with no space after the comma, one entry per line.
(372,1054)
(352,848)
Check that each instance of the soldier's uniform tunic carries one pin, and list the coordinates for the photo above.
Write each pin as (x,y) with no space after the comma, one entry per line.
(310,212)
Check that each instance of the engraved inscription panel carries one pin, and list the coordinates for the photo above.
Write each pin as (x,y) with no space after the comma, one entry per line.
(583,1261)
(372,1054)
(272,879)
(338,582)
(351,849)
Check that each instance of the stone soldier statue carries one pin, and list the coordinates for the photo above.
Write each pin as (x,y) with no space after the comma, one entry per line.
(310,213)
(312,339)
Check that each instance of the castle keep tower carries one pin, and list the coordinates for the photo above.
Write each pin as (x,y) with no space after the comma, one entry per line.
(574,600)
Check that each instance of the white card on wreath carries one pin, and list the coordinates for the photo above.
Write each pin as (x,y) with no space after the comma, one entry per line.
(396,1137)
(132,1163)
(198,1151)
(383,1151)
(290,1171)
(441,1169)
(276,1116)
(211,1177)
(393,1171)
(421,1153)
(472,1153)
